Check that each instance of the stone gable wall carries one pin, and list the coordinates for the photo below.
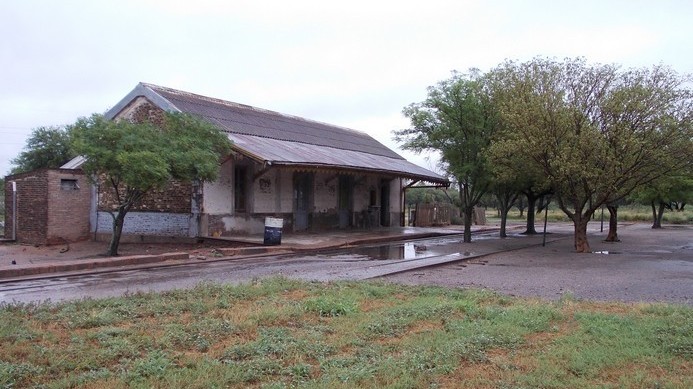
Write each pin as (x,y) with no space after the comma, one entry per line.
(174,198)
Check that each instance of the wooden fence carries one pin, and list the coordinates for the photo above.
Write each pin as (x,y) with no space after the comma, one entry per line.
(430,214)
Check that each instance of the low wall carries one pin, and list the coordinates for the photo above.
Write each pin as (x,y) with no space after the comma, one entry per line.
(150,223)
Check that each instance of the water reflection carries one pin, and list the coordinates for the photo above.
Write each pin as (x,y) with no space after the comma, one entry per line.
(408,250)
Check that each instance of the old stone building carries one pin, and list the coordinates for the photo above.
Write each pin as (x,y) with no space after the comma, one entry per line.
(312,175)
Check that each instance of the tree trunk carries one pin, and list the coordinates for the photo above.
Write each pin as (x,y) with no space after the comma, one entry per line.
(581,243)
(658,215)
(118,222)
(654,215)
(504,220)
(531,203)
(612,236)
(468,212)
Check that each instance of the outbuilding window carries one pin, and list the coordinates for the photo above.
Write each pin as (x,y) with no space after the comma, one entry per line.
(67,184)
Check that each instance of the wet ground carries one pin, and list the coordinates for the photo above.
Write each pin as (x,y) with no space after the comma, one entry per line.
(647,265)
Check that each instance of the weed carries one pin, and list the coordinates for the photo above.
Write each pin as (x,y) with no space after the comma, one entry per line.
(17,374)
(154,365)
(330,306)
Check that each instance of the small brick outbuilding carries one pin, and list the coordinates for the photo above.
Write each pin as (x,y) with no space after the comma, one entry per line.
(52,206)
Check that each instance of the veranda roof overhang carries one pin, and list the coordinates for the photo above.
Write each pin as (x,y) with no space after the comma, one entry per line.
(274,152)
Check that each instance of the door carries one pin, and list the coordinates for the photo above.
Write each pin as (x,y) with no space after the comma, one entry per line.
(303,199)
(345,201)
(385,203)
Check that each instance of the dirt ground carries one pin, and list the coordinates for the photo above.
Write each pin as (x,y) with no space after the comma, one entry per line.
(23,253)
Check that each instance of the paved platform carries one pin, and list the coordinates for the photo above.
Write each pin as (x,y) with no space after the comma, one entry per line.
(41,266)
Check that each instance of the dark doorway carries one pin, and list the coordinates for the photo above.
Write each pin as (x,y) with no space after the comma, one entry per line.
(385,202)
(303,200)
(346,200)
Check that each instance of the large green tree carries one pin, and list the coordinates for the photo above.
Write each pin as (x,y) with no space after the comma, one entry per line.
(457,121)
(596,132)
(132,159)
(47,147)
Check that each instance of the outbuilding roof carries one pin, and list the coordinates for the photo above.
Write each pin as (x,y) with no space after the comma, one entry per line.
(279,139)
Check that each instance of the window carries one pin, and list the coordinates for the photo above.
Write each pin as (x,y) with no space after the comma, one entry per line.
(66,184)
(240,188)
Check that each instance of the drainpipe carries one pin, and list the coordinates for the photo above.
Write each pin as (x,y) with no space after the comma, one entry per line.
(14,210)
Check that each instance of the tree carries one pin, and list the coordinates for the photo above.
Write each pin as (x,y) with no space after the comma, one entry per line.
(427,195)
(47,147)
(661,193)
(456,119)
(132,159)
(596,133)
(512,167)
(506,194)
(612,234)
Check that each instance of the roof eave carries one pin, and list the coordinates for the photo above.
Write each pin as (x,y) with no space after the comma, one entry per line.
(429,179)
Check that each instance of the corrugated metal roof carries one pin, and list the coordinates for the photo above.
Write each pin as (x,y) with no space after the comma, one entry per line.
(74,163)
(282,139)
(278,152)
(244,119)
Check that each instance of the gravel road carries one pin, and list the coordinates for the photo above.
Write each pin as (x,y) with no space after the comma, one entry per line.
(647,265)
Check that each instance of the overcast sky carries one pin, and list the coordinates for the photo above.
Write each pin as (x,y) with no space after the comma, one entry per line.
(350,63)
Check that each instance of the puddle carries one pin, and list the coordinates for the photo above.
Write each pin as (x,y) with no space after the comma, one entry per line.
(408,250)
(605,252)
(403,251)
(394,252)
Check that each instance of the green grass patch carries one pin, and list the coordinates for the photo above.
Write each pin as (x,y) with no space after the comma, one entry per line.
(278,333)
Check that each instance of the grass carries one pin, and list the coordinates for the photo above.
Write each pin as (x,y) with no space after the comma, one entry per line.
(628,213)
(278,333)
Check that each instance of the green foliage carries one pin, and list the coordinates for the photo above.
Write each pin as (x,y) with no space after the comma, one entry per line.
(432,195)
(47,147)
(597,133)
(136,158)
(141,156)
(670,187)
(458,121)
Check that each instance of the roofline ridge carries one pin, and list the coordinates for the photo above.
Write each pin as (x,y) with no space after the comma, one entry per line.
(246,106)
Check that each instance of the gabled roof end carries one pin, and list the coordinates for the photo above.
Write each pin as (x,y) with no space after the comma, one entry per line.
(142,89)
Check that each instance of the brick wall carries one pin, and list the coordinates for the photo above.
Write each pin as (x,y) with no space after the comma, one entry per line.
(32,206)
(47,213)
(68,206)
(8,209)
